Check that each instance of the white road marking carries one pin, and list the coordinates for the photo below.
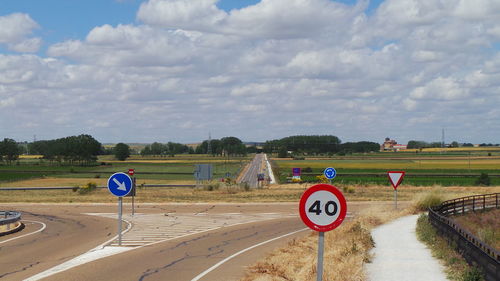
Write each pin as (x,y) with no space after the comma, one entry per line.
(27,234)
(98,252)
(152,228)
(241,252)
(149,229)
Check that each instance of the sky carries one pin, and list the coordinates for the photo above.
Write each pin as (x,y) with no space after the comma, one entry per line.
(178,70)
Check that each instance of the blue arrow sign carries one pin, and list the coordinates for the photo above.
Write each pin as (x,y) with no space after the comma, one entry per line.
(119,184)
(330,173)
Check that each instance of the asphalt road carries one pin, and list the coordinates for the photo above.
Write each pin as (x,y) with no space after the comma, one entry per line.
(70,232)
(67,234)
(255,167)
(168,241)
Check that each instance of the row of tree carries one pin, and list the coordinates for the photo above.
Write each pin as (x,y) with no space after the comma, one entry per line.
(312,145)
(9,150)
(170,148)
(225,146)
(422,144)
(82,149)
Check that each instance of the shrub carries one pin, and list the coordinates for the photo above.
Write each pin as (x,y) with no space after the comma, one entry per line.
(348,189)
(473,274)
(88,188)
(428,199)
(307,170)
(212,186)
(484,180)
(322,179)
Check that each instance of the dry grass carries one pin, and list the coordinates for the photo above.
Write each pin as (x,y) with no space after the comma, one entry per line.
(221,193)
(346,251)
(485,225)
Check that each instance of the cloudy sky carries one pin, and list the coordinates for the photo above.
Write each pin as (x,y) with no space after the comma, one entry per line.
(175,70)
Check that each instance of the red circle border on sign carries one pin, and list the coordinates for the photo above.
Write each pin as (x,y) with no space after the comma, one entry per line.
(329,188)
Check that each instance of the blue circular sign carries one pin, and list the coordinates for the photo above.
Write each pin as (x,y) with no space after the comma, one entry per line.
(330,173)
(120,184)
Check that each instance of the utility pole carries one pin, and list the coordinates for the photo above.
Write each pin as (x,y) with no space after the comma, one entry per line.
(209,148)
(442,141)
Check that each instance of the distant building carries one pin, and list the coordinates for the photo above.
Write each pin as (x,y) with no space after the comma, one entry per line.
(391,145)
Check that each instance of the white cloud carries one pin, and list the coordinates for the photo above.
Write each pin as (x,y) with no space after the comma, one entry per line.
(184,14)
(441,88)
(16,28)
(278,68)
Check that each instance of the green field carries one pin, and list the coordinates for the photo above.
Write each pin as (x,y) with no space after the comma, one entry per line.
(165,169)
(421,170)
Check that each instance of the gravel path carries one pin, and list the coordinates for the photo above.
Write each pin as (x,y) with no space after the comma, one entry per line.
(399,256)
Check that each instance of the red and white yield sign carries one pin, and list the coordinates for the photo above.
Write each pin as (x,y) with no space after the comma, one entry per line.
(396,177)
(322,207)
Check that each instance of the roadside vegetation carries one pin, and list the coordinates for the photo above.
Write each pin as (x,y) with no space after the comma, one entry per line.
(485,225)
(347,249)
(456,267)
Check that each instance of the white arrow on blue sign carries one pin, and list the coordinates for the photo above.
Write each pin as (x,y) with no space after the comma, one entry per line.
(330,173)
(120,184)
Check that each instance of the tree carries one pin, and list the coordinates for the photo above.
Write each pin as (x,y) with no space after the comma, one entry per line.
(454,144)
(483,179)
(10,149)
(233,146)
(305,144)
(122,151)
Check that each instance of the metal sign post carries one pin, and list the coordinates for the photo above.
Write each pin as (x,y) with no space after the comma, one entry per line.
(322,208)
(120,184)
(120,209)
(133,196)
(321,250)
(395,199)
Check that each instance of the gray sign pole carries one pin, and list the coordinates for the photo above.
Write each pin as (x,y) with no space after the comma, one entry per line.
(395,198)
(120,221)
(321,249)
(133,195)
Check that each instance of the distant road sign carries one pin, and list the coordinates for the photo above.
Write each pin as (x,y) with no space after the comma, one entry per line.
(131,172)
(296,172)
(330,173)
(395,177)
(119,184)
(322,207)
(203,172)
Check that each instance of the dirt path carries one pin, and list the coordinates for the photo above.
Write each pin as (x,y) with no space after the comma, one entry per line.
(399,256)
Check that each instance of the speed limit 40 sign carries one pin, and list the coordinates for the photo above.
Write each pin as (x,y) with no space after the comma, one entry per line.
(322,207)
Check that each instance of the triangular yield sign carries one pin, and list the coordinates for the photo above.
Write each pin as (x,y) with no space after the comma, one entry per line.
(396,177)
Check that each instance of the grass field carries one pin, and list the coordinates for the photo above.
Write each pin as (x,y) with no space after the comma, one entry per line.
(222,192)
(421,169)
(178,168)
(485,225)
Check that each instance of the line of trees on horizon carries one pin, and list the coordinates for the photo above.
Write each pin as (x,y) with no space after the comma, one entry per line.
(414,144)
(317,144)
(84,149)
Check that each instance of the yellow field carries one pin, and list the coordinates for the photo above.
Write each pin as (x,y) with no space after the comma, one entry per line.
(454,149)
(463,164)
(30,156)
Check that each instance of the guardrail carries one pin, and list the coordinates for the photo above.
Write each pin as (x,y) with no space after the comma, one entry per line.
(10,222)
(475,251)
(76,188)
